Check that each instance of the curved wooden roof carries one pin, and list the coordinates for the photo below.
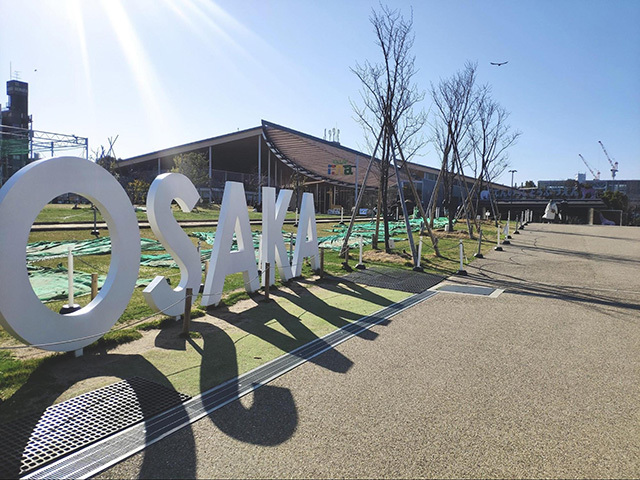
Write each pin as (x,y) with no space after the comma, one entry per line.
(318,159)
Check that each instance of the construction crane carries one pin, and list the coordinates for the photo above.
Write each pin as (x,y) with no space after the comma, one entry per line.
(614,165)
(596,175)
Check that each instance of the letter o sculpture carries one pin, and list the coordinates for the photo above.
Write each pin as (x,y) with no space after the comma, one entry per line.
(21,199)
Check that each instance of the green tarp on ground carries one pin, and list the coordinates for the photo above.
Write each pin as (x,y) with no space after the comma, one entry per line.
(165,260)
(98,246)
(366,231)
(209,237)
(53,283)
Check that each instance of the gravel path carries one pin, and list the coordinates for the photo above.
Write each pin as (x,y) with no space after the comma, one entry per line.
(542,381)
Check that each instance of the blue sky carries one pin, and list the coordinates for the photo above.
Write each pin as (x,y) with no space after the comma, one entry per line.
(163,72)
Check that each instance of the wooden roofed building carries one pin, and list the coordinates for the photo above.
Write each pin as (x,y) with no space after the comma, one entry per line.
(275,156)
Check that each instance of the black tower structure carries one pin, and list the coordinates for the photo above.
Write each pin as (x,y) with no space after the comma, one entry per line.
(14,138)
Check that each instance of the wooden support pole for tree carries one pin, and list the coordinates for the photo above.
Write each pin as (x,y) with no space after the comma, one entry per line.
(405,214)
(94,285)
(494,204)
(345,264)
(345,244)
(186,318)
(374,240)
(478,254)
(434,240)
(465,208)
(433,200)
(267,272)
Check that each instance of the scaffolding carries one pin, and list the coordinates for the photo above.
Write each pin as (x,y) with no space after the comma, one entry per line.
(19,146)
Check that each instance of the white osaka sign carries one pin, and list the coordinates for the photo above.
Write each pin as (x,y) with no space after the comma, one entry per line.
(28,191)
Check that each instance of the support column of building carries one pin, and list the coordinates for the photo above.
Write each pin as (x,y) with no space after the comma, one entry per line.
(210,173)
(269,169)
(356,182)
(278,182)
(259,169)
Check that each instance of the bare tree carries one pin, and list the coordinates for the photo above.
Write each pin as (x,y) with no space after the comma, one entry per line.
(389,96)
(491,137)
(106,158)
(455,106)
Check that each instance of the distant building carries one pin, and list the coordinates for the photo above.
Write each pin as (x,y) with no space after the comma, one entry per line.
(271,155)
(588,188)
(14,128)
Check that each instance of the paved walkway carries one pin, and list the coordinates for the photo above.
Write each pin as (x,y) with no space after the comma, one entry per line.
(542,381)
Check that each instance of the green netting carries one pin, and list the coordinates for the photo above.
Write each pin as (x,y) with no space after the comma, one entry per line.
(98,246)
(206,237)
(441,222)
(209,237)
(165,260)
(366,231)
(53,284)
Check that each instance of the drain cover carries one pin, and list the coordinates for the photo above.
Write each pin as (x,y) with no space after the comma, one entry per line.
(33,441)
(394,279)
(470,290)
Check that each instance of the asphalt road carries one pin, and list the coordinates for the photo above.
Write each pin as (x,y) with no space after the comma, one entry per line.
(541,381)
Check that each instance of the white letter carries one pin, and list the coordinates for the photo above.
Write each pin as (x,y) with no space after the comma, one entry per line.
(273,248)
(306,241)
(158,294)
(233,217)
(21,199)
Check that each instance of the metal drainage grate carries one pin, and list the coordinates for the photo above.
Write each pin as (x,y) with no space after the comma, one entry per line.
(394,279)
(95,458)
(470,290)
(31,442)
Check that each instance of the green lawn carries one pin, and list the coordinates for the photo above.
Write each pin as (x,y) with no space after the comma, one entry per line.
(447,264)
(66,213)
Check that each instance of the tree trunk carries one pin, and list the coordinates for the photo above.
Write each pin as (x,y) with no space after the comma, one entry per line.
(385,210)
(433,201)
(463,187)
(434,240)
(374,240)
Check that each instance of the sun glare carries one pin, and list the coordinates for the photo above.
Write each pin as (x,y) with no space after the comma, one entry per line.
(226,36)
(74,10)
(145,76)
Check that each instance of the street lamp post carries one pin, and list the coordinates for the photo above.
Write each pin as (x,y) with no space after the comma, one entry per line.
(512,172)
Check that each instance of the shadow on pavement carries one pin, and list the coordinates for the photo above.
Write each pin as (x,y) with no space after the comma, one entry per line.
(578,254)
(45,386)
(520,286)
(609,237)
(272,417)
